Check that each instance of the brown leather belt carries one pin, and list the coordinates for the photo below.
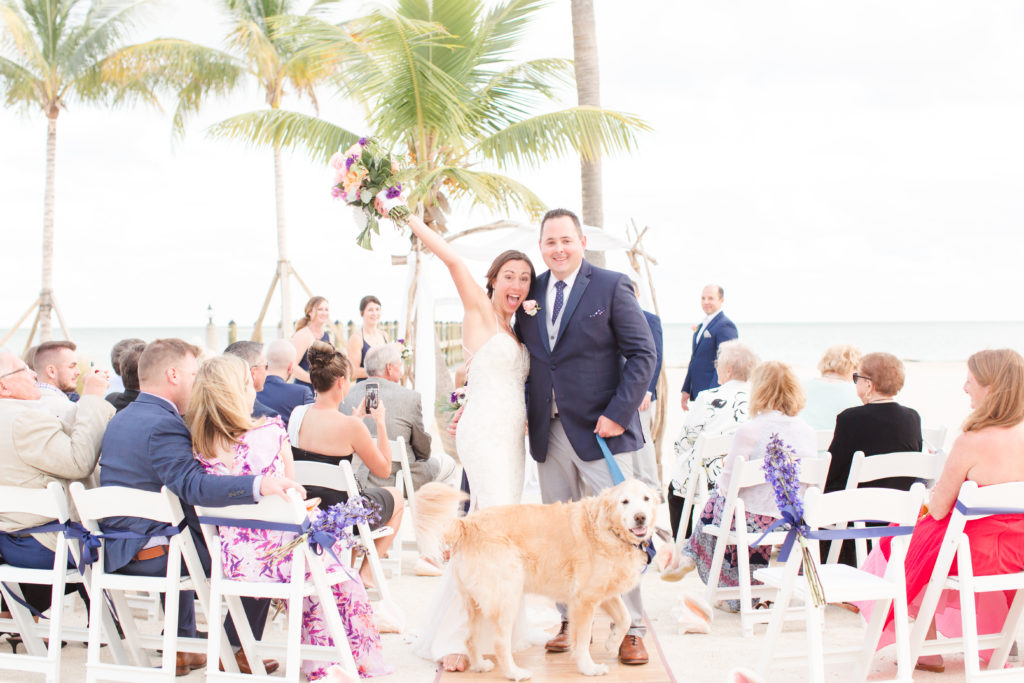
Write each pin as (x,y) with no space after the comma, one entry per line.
(150,553)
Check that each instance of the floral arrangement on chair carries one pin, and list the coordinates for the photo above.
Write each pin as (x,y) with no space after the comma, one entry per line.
(330,526)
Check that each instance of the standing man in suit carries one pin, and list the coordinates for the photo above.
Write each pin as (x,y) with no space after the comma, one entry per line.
(147,446)
(591,362)
(277,394)
(713,330)
(645,464)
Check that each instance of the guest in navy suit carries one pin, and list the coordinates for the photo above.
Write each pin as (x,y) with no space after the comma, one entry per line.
(147,446)
(277,394)
(713,330)
(252,353)
(578,385)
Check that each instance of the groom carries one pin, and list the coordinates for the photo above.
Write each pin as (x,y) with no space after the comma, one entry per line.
(579,387)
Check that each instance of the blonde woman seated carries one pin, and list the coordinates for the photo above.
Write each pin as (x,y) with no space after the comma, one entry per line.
(319,433)
(834,391)
(776,399)
(715,411)
(227,441)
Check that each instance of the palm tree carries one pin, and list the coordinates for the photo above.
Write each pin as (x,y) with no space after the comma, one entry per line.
(588,91)
(437,83)
(56,52)
(257,49)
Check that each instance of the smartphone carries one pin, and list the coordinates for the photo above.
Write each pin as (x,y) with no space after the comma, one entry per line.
(372,395)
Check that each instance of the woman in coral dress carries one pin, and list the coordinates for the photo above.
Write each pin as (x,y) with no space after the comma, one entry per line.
(228,441)
(989,451)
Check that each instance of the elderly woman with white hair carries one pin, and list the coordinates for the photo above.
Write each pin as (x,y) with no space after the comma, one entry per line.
(834,391)
(715,411)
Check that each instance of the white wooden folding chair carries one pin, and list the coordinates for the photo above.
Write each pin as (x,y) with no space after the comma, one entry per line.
(813,472)
(340,478)
(863,469)
(973,503)
(96,504)
(41,657)
(275,510)
(695,496)
(403,482)
(842,583)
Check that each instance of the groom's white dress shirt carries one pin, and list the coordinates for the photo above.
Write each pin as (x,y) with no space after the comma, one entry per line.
(707,321)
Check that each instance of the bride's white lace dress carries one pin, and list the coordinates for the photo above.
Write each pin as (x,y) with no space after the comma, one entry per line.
(491,444)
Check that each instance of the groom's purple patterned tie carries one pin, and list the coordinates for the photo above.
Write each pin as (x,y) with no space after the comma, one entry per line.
(559,300)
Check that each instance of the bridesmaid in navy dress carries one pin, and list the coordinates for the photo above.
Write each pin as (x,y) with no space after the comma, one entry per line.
(313,326)
(368,336)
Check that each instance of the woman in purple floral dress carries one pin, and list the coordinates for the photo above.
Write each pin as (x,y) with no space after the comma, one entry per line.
(228,441)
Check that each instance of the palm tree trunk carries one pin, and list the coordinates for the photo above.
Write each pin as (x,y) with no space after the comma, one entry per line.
(588,92)
(283,266)
(46,295)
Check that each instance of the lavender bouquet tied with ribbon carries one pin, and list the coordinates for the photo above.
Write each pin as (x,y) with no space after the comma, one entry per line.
(369,179)
(782,472)
(331,526)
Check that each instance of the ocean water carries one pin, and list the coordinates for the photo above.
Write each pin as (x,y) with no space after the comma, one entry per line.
(795,343)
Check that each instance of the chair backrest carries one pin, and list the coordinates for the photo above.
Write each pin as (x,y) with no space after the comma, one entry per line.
(120,501)
(269,509)
(867,468)
(50,502)
(323,474)
(879,505)
(399,452)
(1005,496)
(813,472)
(710,445)
(934,438)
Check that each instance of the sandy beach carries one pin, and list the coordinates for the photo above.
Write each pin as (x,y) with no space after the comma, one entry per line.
(934,389)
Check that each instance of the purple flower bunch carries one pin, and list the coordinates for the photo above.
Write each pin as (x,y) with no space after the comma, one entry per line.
(339,519)
(782,472)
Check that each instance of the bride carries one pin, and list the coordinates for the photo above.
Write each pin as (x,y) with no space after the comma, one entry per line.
(490,438)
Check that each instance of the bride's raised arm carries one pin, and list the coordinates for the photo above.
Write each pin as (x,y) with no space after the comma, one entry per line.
(479,313)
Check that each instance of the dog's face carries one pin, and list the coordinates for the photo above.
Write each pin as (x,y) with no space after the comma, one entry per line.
(630,507)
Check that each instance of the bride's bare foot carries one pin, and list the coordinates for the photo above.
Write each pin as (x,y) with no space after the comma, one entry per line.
(454,662)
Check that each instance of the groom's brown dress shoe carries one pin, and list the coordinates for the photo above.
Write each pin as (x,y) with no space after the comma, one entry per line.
(559,643)
(270,665)
(184,662)
(632,650)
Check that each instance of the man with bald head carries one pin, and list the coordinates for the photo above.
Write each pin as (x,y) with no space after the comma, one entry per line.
(707,336)
(36,447)
(276,393)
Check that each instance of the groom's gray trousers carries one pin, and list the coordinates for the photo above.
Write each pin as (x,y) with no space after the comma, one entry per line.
(564,477)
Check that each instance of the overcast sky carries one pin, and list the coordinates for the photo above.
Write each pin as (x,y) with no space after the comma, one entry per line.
(823,161)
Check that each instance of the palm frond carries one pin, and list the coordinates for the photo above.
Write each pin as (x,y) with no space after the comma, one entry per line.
(587,131)
(106,24)
(513,93)
(492,190)
(19,36)
(287,130)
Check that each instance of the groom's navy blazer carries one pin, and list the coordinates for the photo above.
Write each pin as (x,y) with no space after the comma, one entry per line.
(147,446)
(701,374)
(602,323)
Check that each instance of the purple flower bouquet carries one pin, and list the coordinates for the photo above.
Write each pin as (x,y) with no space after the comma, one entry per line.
(335,522)
(368,178)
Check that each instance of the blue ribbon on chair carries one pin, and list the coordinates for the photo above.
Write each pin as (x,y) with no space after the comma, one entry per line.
(963,509)
(319,541)
(617,478)
(797,526)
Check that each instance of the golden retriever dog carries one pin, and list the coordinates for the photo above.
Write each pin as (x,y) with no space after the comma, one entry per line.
(584,554)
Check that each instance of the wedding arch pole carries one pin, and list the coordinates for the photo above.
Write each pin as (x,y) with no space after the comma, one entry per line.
(588,94)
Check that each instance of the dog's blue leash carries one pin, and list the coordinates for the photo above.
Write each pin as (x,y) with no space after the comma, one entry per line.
(617,478)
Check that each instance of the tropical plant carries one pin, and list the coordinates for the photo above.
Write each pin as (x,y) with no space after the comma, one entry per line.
(437,82)
(56,52)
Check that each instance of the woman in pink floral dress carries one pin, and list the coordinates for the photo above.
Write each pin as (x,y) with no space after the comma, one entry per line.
(227,440)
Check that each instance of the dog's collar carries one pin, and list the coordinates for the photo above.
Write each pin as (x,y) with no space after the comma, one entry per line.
(646,547)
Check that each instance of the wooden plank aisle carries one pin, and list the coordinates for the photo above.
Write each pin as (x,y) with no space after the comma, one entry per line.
(559,668)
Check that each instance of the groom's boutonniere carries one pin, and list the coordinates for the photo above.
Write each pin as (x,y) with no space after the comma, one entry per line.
(530,307)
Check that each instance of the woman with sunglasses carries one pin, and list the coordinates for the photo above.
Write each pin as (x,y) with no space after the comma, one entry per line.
(880,425)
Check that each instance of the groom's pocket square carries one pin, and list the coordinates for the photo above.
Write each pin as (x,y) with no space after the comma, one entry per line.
(707,335)
(598,312)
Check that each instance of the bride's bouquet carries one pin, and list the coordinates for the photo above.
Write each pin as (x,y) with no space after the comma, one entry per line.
(368,178)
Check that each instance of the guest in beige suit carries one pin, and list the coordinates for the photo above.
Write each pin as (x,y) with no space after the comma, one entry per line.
(35,449)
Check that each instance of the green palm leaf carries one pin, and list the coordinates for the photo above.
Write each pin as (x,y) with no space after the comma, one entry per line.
(286,130)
